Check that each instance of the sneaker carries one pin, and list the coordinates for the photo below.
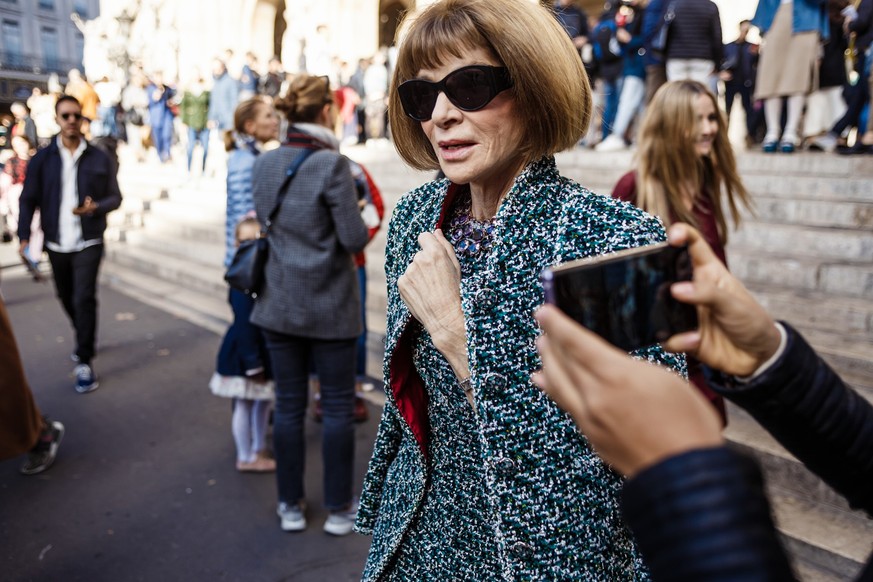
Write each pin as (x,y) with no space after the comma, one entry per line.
(86,381)
(258,465)
(859,149)
(786,147)
(43,454)
(824,143)
(340,523)
(292,516)
(769,147)
(612,143)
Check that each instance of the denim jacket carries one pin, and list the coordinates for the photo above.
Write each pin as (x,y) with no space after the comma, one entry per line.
(809,15)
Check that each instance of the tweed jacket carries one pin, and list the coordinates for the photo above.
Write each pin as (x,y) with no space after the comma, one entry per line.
(311,287)
(555,503)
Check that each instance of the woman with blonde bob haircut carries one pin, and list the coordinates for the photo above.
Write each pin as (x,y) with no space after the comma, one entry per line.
(476,475)
(686,172)
(553,103)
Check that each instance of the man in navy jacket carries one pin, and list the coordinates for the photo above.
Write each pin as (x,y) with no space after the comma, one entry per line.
(74,186)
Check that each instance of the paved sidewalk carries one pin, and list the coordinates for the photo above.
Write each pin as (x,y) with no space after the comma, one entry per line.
(144,487)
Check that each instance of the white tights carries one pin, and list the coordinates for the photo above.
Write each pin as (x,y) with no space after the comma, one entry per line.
(249,426)
(773,115)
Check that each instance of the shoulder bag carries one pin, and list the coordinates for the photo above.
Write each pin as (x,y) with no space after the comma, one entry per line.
(246,271)
(659,43)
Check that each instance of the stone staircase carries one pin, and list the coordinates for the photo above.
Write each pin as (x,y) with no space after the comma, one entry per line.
(807,255)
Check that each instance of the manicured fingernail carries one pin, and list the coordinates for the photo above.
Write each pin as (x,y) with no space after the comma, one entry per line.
(682,288)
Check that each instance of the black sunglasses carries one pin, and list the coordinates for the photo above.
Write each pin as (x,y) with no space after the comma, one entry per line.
(468,88)
(66,116)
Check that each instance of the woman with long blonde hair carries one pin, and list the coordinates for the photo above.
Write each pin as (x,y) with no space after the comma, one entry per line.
(687,172)
(686,169)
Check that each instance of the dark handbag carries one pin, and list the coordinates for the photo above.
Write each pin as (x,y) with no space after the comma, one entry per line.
(659,43)
(246,270)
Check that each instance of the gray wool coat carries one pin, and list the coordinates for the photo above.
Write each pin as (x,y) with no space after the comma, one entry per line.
(310,288)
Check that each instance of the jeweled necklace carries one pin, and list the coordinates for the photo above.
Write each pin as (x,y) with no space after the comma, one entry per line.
(470,237)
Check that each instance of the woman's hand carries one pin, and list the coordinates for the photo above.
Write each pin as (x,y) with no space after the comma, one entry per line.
(634,413)
(431,289)
(735,334)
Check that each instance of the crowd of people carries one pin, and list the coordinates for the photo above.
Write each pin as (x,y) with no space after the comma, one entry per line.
(477,471)
(805,84)
(149,112)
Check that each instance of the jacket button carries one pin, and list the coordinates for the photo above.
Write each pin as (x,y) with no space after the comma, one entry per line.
(521,550)
(485,296)
(505,467)
(495,381)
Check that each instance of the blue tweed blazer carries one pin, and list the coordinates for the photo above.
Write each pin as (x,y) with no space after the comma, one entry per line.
(311,287)
(549,503)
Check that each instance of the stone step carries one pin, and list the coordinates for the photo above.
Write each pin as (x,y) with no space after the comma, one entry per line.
(831,214)
(834,277)
(833,543)
(793,177)
(748,163)
(194,276)
(775,186)
(786,240)
(817,524)
(805,164)
(208,254)
(187,210)
(810,573)
(851,357)
(206,309)
(180,226)
(811,310)
(196,263)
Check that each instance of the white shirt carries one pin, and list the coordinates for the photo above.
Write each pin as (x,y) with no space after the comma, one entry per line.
(70,238)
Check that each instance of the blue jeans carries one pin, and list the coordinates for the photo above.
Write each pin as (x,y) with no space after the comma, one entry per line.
(335,364)
(611,94)
(194,136)
(162,137)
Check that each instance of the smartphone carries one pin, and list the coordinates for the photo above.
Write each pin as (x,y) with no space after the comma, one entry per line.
(624,297)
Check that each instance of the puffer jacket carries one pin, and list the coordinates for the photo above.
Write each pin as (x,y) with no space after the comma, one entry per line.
(672,506)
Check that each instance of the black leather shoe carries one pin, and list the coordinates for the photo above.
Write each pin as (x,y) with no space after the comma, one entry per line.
(858,149)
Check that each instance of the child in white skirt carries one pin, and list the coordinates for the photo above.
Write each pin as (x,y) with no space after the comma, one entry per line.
(242,373)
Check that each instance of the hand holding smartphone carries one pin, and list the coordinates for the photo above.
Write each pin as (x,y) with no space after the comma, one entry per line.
(87,207)
(625,297)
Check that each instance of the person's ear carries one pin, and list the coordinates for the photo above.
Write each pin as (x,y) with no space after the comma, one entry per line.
(249,126)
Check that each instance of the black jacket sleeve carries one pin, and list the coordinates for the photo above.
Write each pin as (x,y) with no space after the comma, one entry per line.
(31,192)
(703,516)
(802,402)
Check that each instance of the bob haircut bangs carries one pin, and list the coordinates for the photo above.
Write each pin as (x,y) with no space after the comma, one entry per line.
(551,90)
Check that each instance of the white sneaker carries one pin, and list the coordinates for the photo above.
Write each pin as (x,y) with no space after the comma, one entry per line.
(612,143)
(292,516)
(340,523)
(824,143)
(86,381)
